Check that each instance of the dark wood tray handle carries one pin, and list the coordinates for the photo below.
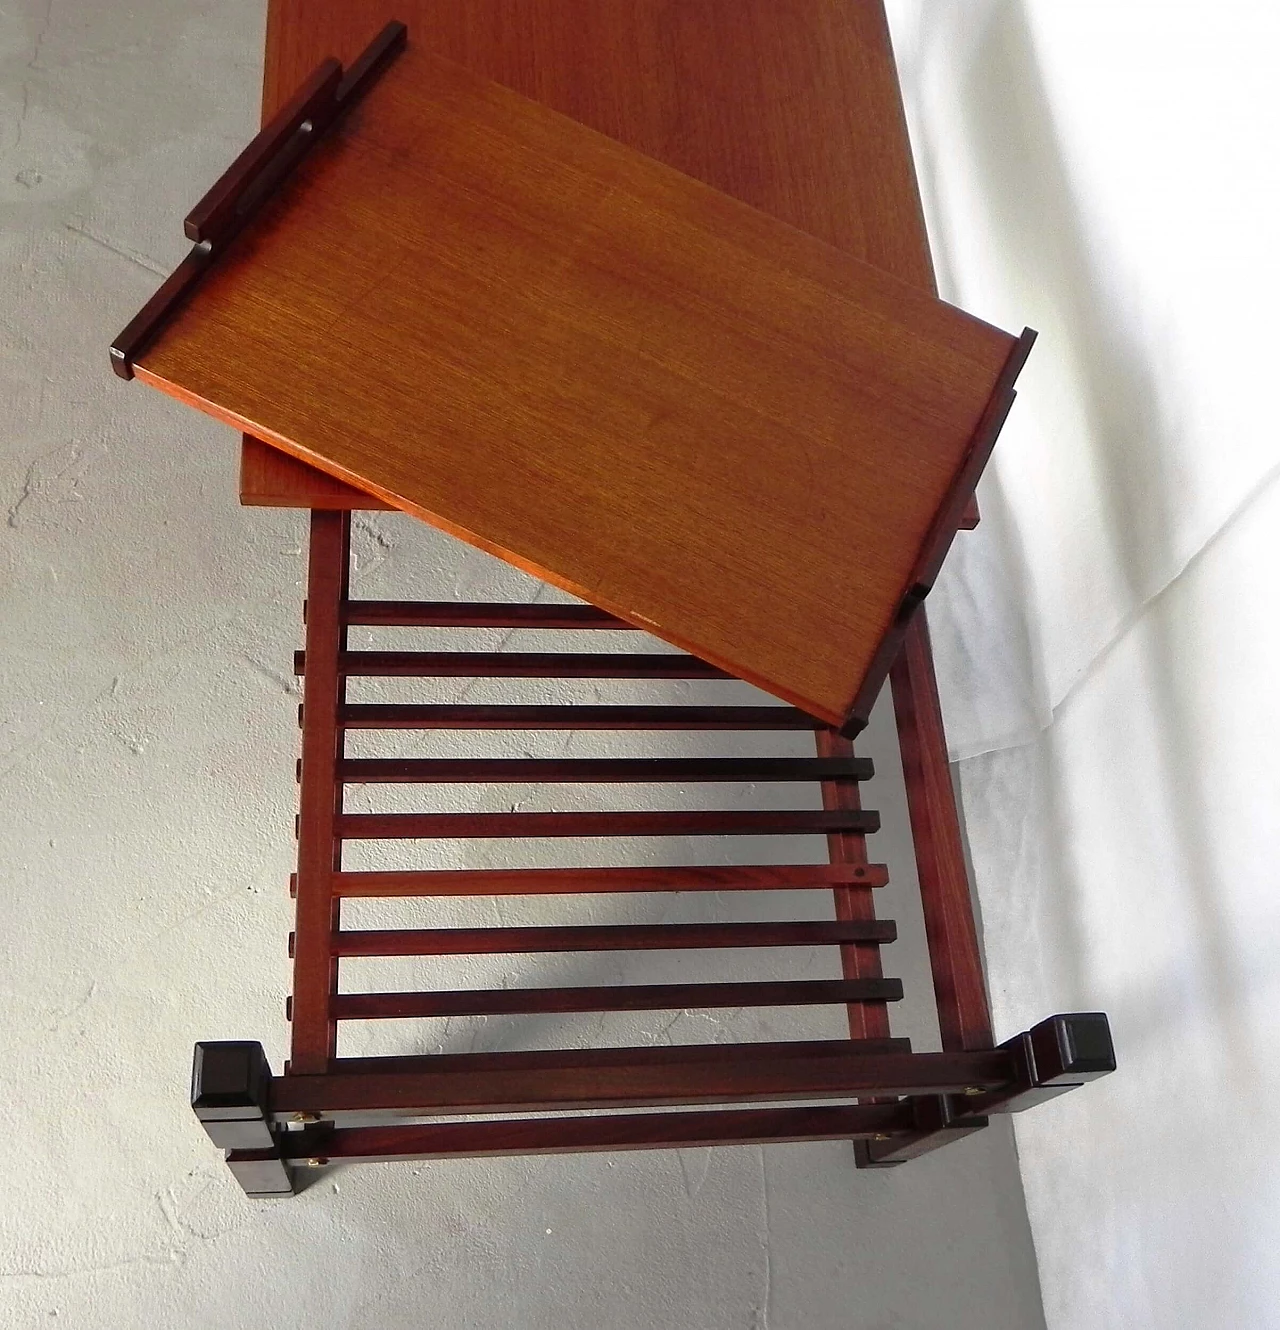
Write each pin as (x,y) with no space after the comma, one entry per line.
(255,174)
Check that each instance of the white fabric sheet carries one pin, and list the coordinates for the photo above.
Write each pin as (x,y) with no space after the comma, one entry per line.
(1107,641)
(1108,173)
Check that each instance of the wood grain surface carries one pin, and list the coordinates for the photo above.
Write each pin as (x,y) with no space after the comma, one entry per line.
(790,105)
(600,369)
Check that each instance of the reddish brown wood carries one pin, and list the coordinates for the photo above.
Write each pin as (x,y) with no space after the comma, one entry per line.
(611,997)
(505,717)
(675,74)
(853,901)
(792,107)
(510,1083)
(169,295)
(950,515)
(946,522)
(573,881)
(457,614)
(607,937)
(272,479)
(323,98)
(305,111)
(315,970)
(593,1059)
(964,1017)
(733,822)
(616,1131)
(937,1120)
(579,770)
(519,665)
(591,390)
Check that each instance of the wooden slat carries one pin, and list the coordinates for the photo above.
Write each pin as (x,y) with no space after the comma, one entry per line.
(575,881)
(732,822)
(611,997)
(964,1018)
(572,1060)
(603,770)
(320,797)
(519,665)
(478,614)
(615,1131)
(607,937)
(601,1078)
(853,900)
(365,716)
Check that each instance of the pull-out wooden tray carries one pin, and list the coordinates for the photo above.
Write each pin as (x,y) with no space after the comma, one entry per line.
(679,408)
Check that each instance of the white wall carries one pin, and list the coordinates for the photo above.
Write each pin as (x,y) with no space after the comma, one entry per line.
(147,741)
(1107,172)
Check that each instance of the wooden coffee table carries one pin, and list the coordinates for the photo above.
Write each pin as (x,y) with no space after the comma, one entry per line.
(791,107)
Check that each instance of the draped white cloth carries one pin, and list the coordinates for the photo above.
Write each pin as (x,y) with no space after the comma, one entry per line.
(1108,172)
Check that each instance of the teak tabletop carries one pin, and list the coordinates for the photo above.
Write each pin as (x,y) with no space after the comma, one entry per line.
(604,371)
(790,105)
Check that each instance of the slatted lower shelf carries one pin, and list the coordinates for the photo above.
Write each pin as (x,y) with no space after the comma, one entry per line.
(893,1102)
(321,1082)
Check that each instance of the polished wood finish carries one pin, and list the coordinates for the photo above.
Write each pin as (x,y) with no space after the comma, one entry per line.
(518,665)
(599,770)
(577,1135)
(272,479)
(937,1120)
(731,822)
(647,374)
(608,1078)
(322,100)
(217,212)
(569,48)
(1057,1055)
(479,614)
(790,105)
(315,969)
(468,716)
(854,900)
(589,1060)
(612,997)
(964,1017)
(577,881)
(231,1093)
(606,937)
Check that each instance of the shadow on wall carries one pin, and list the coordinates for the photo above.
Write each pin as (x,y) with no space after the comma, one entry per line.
(1037,224)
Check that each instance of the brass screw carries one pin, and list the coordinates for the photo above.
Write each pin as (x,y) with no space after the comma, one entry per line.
(316,1163)
(880,1136)
(974,1089)
(305,1117)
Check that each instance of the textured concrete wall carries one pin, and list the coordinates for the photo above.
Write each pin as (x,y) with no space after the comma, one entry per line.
(147,741)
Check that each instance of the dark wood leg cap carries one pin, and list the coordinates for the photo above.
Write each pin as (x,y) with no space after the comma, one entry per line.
(230,1095)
